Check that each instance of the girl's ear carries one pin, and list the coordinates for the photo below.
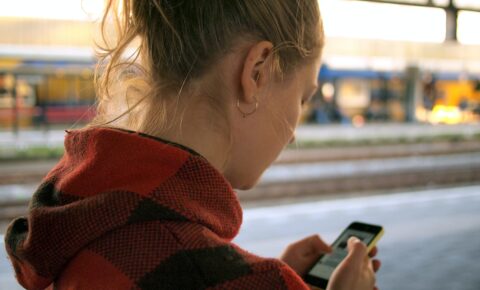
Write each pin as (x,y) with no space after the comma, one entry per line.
(255,72)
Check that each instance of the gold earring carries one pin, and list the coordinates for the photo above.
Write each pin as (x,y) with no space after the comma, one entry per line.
(245,114)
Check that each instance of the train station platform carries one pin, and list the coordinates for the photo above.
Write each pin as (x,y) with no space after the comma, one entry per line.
(319,134)
(427,233)
(394,132)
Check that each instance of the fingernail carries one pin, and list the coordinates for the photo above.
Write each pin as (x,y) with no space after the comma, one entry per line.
(354,239)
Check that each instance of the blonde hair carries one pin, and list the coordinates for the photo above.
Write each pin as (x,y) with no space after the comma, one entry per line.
(179,41)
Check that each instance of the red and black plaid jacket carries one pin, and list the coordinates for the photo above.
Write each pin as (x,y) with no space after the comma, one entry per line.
(123,210)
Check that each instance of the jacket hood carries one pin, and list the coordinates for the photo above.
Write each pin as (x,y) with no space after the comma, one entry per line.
(108,179)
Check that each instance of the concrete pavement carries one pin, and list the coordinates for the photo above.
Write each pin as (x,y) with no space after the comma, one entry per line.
(431,242)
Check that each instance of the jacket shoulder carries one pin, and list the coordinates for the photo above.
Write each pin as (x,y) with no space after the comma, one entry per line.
(172,255)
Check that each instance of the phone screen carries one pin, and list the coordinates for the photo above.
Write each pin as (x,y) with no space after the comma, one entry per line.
(326,265)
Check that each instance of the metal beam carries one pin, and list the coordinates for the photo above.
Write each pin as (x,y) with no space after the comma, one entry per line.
(452,22)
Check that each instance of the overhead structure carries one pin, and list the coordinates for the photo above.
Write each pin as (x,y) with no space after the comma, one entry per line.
(451,7)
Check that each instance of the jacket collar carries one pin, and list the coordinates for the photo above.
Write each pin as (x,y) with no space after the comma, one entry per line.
(108,179)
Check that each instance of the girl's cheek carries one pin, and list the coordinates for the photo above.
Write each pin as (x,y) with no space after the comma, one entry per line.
(298,116)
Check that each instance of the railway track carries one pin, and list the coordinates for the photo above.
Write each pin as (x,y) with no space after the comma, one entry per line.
(315,188)
(358,169)
(377,151)
(33,172)
(380,182)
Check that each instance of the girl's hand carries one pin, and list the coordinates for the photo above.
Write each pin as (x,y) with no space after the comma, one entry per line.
(357,270)
(301,255)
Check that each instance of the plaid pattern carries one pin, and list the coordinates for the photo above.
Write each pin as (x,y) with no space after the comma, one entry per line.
(122,210)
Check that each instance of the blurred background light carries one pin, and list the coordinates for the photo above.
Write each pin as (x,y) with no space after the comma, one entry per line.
(349,19)
(467,4)
(441,2)
(52,9)
(468,25)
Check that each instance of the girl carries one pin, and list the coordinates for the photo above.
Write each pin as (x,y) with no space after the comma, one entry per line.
(143,197)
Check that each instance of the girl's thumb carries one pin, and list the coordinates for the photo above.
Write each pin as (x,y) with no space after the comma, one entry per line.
(357,250)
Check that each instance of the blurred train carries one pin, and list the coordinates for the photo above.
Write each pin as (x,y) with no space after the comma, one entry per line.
(49,92)
(359,96)
(45,92)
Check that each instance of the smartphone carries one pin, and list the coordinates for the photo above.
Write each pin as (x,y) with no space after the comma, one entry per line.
(321,271)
